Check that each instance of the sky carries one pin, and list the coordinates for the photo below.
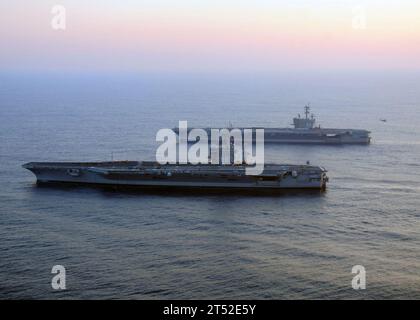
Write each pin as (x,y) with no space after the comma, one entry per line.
(210,35)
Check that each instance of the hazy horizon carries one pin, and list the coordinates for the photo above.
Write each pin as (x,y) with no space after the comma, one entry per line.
(211,36)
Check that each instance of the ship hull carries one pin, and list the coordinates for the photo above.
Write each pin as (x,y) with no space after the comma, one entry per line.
(314,136)
(317,136)
(317,141)
(118,174)
(304,132)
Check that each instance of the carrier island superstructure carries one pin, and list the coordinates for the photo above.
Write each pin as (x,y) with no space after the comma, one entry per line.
(305,131)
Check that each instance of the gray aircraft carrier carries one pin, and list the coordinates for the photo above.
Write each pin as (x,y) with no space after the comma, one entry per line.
(202,176)
(306,132)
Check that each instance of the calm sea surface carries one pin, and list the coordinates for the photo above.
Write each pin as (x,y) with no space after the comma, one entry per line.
(147,246)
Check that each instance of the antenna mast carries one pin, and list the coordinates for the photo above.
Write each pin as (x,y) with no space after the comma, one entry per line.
(307,111)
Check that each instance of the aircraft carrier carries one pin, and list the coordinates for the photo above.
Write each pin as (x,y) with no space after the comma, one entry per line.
(148,174)
(306,132)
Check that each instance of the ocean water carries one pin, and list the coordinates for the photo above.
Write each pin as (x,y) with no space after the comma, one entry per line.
(149,246)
